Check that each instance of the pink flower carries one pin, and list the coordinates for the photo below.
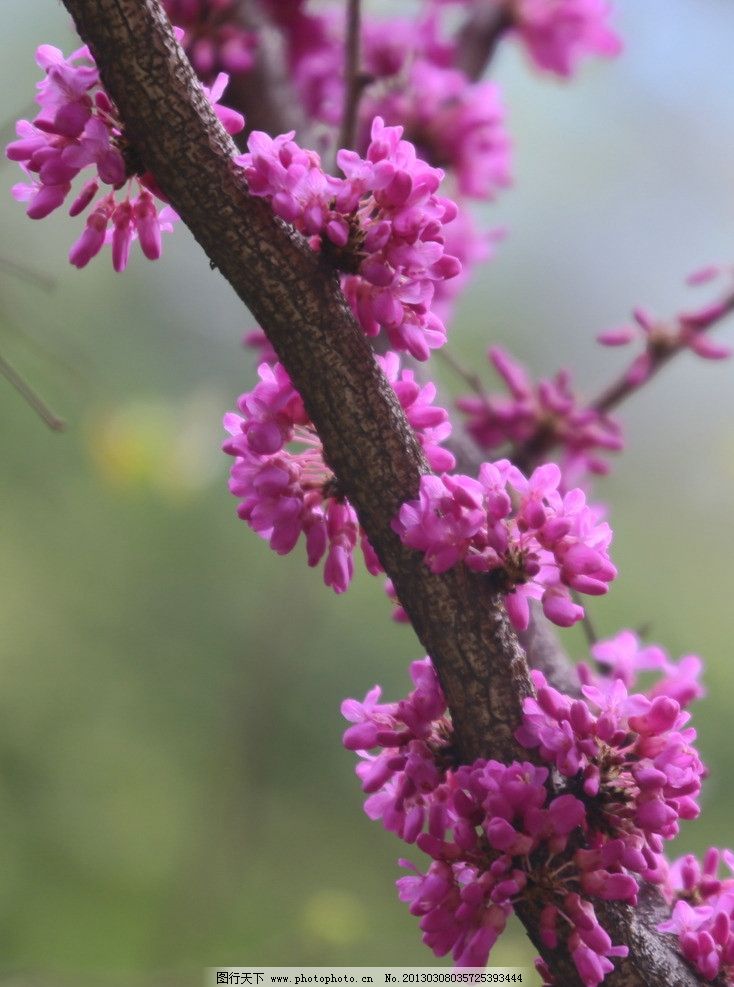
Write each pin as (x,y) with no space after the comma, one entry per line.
(79,128)
(557,34)
(635,756)
(492,831)
(549,544)
(286,488)
(382,225)
(547,409)
(213,37)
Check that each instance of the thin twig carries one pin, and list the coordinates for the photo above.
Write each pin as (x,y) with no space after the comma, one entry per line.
(28,274)
(474,381)
(31,397)
(479,36)
(662,353)
(586,622)
(354,81)
(667,342)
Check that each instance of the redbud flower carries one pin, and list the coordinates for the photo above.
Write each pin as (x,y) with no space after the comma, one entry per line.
(78,128)
(493,832)
(284,485)
(213,37)
(382,225)
(546,411)
(557,34)
(703,914)
(544,547)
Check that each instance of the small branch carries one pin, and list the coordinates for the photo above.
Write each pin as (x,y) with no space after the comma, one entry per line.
(354,81)
(264,94)
(472,380)
(545,653)
(479,36)
(25,273)
(662,349)
(586,622)
(31,397)
(663,345)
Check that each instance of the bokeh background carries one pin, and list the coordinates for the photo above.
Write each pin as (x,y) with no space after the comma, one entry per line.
(173,789)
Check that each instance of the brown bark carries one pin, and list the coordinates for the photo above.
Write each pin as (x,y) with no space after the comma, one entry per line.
(365,435)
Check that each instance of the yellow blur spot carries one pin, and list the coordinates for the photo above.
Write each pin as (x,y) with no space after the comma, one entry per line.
(335,917)
(172,451)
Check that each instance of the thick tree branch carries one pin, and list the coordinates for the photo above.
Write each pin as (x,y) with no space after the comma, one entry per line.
(296,298)
(365,435)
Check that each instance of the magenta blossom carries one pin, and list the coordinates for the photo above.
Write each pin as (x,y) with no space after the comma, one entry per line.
(703,914)
(79,128)
(285,487)
(382,225)
(557,34)
(541,549)
(492,832)
(546,413)
(213,37)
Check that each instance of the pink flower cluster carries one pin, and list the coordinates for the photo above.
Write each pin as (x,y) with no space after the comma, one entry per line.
(213,37)
(414,734)
(284,485)
(703,914)
(547,412)
(382,225)
(546,546)
(558,34)
(634,760)
(77,128)
(687,331)
(453,122)
(624,657)
(494,832)
(491,830)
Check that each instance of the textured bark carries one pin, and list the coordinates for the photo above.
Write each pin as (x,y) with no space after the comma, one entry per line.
(366,437)
(545,652)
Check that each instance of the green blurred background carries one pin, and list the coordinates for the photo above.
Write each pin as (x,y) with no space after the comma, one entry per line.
(174,793)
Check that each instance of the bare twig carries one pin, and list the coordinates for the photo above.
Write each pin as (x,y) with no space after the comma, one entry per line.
(472,380)
(265,93)
(479,36)
(31,397)
(28,274)
(354,81)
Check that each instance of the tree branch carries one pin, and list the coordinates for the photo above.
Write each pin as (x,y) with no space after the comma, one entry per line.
(365,435)
(663,344)
(264,93)
(32,398)
(479,36)
(353,79)
(297,299)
